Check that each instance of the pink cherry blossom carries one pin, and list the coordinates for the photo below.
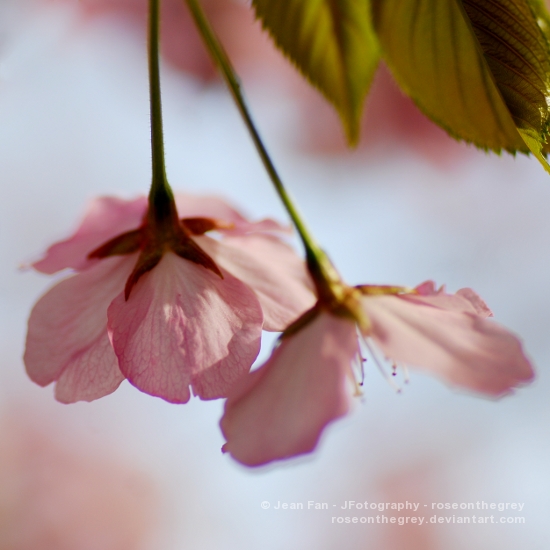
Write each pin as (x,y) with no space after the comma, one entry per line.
(182,325)
(281,409)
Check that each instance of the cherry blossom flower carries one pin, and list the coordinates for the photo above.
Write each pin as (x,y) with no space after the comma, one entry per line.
(180,324)
(281,409)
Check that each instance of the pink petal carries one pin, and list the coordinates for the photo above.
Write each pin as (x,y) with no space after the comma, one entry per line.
(465,300)
(481,308)
(281,409)
(67,326)
(191,206)
(91,374)
(105,218)
(427,288)
(183,325)
(272,269)
(449,301)
(463,348)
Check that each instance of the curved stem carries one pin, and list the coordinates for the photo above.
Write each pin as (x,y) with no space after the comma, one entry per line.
(313,251)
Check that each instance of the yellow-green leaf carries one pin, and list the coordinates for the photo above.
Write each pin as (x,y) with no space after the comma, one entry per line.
(542,15)
(479,68)
(543,20)
(332,43)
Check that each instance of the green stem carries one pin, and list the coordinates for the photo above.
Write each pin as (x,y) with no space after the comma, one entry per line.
(161,198)
(313,251)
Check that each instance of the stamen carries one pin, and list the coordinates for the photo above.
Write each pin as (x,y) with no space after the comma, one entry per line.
(381,364)
(357,365)
(405,373)
(380,367)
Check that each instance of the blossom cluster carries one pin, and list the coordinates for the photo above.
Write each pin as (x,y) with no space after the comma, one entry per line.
(175,321)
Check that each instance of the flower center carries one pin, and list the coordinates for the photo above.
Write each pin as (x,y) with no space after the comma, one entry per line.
(155,237)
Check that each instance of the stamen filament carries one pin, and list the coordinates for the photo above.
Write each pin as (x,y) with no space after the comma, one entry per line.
(406,378)
(356,364)
(377,362)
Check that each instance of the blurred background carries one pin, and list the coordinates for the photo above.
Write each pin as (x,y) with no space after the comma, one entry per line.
(131,472)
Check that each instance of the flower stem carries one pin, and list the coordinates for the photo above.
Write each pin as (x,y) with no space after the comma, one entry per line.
(161,198)
(313,251)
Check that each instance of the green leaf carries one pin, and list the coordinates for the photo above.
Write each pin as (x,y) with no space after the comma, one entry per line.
(542,15)
(478,68)
(543,21)
(333,45)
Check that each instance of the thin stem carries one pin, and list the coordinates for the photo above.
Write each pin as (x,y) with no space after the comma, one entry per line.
(161,194)
(313,251)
